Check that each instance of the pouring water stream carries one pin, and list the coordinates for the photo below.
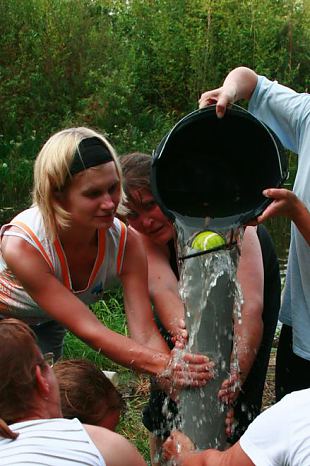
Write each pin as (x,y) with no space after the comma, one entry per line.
(212,300)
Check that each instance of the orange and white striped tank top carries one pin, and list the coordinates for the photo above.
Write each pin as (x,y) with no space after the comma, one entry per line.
(15,302)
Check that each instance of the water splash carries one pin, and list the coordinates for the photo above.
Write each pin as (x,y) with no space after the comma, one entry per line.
(212,299)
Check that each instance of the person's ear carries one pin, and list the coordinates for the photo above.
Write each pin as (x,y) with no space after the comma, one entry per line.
(42,384)
(58,198)
(57,195)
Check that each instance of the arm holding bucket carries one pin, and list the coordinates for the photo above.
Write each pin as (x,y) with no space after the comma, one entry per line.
(239,84)
(286,203)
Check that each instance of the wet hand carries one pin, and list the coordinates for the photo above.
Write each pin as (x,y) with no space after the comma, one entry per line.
(191,370)
(186,370)
(176,446)
(228,394)
(180,336)
(229,422)
(230,389)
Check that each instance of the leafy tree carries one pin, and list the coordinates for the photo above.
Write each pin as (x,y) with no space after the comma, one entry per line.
(130,68)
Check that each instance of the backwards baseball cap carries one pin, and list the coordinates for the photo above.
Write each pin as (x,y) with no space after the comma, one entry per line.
(90,153)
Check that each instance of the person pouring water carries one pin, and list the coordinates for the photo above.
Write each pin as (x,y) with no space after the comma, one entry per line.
(287,113)
(281,434)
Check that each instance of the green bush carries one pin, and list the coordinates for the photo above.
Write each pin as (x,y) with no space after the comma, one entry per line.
(130,69)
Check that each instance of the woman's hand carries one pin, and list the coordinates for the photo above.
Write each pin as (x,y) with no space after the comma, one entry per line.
(230,388)
(180,335)
(285,203)
(185,370)
(238,84)
(228,394)
(223,97)
(176,446)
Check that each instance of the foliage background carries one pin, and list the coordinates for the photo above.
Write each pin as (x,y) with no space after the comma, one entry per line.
(130,68)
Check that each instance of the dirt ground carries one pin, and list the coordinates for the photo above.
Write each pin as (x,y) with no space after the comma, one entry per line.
(269,390)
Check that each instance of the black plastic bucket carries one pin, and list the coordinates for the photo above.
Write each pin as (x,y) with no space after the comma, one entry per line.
(217,168)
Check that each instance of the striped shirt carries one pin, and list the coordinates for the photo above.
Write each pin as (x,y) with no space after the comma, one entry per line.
(50,442)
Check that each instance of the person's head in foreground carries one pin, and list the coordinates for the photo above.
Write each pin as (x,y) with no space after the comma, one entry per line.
(144,214)
(32,428)
(28,385)
(87,394)
(71,171)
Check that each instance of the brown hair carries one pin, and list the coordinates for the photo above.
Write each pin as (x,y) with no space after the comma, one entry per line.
(86,393)
(136,168)
(19,357)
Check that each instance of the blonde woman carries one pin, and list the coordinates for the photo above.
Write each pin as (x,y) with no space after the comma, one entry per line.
(62,253)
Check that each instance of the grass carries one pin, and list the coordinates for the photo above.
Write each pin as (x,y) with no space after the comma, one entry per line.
(134,387)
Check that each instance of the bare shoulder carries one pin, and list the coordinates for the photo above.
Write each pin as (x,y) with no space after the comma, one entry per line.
(133,237)
(15,247)
(115,449)
(136,241)
(134,252)
(148,244)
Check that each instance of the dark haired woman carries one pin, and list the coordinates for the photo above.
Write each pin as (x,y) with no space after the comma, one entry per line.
(258,273)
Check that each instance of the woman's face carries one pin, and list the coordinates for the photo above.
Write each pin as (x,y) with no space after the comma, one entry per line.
(146,217)
(92,197)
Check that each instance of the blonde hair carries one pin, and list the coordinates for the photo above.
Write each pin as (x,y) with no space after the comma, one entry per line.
(52,174)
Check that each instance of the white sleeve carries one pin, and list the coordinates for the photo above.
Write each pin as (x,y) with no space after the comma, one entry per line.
(267,439)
